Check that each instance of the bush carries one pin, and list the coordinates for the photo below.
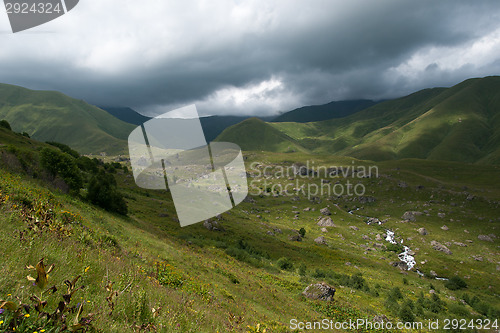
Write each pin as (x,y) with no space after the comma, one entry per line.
(302,232)
(285,264)
(102,191)
(64,148)
(62,164)
(5,124)
(455,283)
(302,269)
(406,313)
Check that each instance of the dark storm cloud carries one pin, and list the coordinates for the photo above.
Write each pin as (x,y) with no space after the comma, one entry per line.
(261,57)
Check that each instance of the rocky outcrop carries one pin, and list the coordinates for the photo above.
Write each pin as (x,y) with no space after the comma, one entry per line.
(325,211)
(213,225)
(319,291)
(440,247)
(326,222)
(320,240)
(411,216)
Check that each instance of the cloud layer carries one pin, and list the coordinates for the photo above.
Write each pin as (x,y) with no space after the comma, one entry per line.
(252,57)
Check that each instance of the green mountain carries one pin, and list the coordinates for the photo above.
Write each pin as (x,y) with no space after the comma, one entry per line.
(336,109)
(255,134)
(53,116)
(461,123)
(126,114)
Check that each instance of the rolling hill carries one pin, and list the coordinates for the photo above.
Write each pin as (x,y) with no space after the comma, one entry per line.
(336,109)
(126,114)
(461,123)
(53,116)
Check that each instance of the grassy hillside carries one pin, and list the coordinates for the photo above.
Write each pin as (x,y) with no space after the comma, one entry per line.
(52,116)
(461,123)
(126,114)
(143,272)
(255,134)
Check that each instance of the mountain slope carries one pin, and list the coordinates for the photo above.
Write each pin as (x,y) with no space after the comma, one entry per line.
(255,134)
(338,109)
(126,114)
(53,116)
(461,123)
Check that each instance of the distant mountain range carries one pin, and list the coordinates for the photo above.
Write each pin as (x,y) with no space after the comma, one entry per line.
(461,123)
(53,116)
(338,109)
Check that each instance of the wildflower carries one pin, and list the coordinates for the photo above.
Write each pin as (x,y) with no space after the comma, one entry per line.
(1,311)
(87,269)
(27,315)
(1,322)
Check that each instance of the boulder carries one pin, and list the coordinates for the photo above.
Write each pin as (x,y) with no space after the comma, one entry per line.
(354,228)
(320,240)
(326,222)
(295,238)
(440,247)
(411,216)
(422,231)
(378,238)
(485,238)
(445,228)
(319,291)
(213,225)
(324,230)
(325,211)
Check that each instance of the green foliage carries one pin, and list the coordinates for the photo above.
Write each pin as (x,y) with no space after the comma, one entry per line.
(65,148)
(455,283)
(5,124)
(61,164)
(406,312)
(102,191)
(302,232)
(302,269)
(285,263)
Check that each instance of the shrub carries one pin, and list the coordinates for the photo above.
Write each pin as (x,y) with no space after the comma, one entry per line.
(102,191)
(302,269)
(5,124)
(62,164)
(406,313)
(285,263)
(302,232)
(455,283)
(64,148)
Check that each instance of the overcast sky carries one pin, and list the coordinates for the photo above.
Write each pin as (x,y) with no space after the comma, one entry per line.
(252,57)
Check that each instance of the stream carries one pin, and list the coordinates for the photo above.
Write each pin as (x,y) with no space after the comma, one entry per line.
(404,256)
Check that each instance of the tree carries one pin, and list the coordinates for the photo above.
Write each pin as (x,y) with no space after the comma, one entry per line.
(61,164)
(5,124)
(102,191)
(302,232)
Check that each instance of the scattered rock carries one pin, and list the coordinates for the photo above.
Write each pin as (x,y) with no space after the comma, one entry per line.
(433,273)
(326,222)
(380,319)
(411,216)
(445,228)
(324,230)
(470,197)
(307,209)
(354,228)
(422,231)
(485,238)
(320,240)
(163,215)
(373,220)
(325,211)
(270,233)
(295,238)
(440,247)
(365,237)
(477,258)
(460,244)
(319,291)
(212,225)
(400,264)
(365,200)
(378,238)
(441,215)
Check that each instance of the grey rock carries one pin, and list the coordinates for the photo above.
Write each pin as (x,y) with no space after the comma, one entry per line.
(325,211)
(320,240)
(445,228)
(319,291)
(422,231)
(326,222)
(440,247)
(485,238)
